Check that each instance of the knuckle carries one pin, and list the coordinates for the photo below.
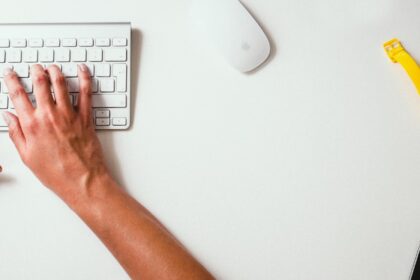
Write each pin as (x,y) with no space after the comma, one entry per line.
(19,92)
(59,79)
(40,78)
(12,132)
(12,77)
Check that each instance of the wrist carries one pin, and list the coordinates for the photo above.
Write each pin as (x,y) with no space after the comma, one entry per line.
(92,188)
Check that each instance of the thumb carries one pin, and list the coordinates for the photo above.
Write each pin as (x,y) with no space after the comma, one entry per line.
(15,131)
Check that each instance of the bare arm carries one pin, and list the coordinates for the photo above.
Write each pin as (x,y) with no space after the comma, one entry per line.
(59,144)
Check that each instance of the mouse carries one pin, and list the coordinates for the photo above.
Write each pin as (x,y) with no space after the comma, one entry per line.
(233,31)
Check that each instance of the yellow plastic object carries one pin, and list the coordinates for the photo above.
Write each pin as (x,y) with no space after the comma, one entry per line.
(398,54)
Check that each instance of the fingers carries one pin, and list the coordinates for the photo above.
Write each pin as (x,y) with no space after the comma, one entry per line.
(59,85)
(42,90)
(85,97)
(15,131)
(18,94)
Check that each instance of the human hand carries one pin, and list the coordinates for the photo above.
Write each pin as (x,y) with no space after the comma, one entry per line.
(56,141)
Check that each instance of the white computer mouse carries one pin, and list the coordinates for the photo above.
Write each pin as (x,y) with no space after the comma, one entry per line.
(229,26)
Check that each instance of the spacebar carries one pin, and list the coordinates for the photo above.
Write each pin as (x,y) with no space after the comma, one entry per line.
(109,100)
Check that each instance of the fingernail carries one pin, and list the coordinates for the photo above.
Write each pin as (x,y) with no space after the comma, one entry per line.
(6,118)
(83,67)
(7,71)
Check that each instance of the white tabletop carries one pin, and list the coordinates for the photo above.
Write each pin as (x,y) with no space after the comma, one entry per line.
(306,169)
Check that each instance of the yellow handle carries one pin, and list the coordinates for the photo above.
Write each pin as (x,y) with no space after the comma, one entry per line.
(398,54)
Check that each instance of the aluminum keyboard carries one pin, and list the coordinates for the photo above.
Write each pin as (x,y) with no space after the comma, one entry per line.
(105,48)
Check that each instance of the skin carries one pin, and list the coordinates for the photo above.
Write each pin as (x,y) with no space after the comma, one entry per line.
(58,133)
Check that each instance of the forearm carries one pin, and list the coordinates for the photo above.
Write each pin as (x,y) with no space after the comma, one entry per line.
(55,134)
(134,236)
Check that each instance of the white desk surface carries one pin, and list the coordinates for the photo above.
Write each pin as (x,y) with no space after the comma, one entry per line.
(307,169)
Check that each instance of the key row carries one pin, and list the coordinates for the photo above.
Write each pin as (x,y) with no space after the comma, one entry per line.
(65,42)
(99,85)
(70,69)
(63,55)
(117,81)
(98,101)
(103,118)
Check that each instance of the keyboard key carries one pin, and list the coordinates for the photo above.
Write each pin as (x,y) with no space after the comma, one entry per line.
(109,101)
(94,85)
(52,42)
(30,55)
(4,88)
(13,55)
(27,85)
(119,42)
(18,43)
(119,54)
(102,122)
(32,99)
(78,55)
(68,42)
(36,42)
(86,42)
(2,67)
(4,43)
(94,55)
(106,84)
(120,72)
(46,55)
(22,70)
(102,114)
(62,55)
(73,100)
(69,69)
(73,85)
(103,70)
(119,121)
(4,101)
(3,123)
(2,56)
(103,42)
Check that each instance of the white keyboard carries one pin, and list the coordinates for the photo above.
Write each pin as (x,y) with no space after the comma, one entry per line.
(104,47)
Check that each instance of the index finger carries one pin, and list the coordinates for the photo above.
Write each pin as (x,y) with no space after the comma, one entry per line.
(17,94)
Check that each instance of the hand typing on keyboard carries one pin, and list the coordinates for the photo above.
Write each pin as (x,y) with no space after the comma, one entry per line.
(106,55)
(54,132)
(58,143)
